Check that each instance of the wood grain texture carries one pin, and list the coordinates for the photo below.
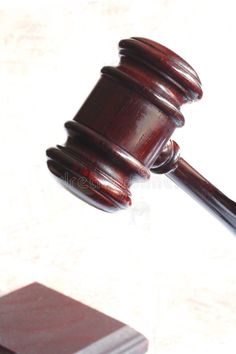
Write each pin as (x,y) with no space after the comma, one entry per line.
(36,320)
(124,128)
(124,123)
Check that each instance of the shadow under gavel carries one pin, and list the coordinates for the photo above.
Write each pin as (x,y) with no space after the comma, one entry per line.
(123,131)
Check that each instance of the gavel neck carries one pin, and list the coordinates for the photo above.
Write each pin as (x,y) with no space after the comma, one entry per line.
(185,176)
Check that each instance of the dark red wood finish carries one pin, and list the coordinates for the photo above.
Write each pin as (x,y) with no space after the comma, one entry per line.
(125,124)
(5,351)
(184,175)
(38,320)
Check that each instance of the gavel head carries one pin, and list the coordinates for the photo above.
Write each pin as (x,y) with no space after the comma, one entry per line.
(124,124)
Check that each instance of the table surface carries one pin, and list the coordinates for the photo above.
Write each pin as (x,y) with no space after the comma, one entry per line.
(165,267)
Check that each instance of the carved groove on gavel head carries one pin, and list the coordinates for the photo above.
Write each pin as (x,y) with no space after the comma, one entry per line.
(125,124)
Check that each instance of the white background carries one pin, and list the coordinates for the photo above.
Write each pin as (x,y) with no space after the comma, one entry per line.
(166,266)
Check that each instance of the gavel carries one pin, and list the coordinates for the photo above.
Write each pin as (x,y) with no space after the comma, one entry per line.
(123,131)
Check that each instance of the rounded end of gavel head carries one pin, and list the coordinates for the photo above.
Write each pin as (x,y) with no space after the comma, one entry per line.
(124,124)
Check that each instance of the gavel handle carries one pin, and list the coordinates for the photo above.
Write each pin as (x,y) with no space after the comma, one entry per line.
(200,188)
(184,175)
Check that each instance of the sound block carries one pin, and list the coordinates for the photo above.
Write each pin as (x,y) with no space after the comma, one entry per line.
(39,320)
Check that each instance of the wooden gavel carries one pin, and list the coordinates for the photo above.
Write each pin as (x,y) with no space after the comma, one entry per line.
(123,131)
